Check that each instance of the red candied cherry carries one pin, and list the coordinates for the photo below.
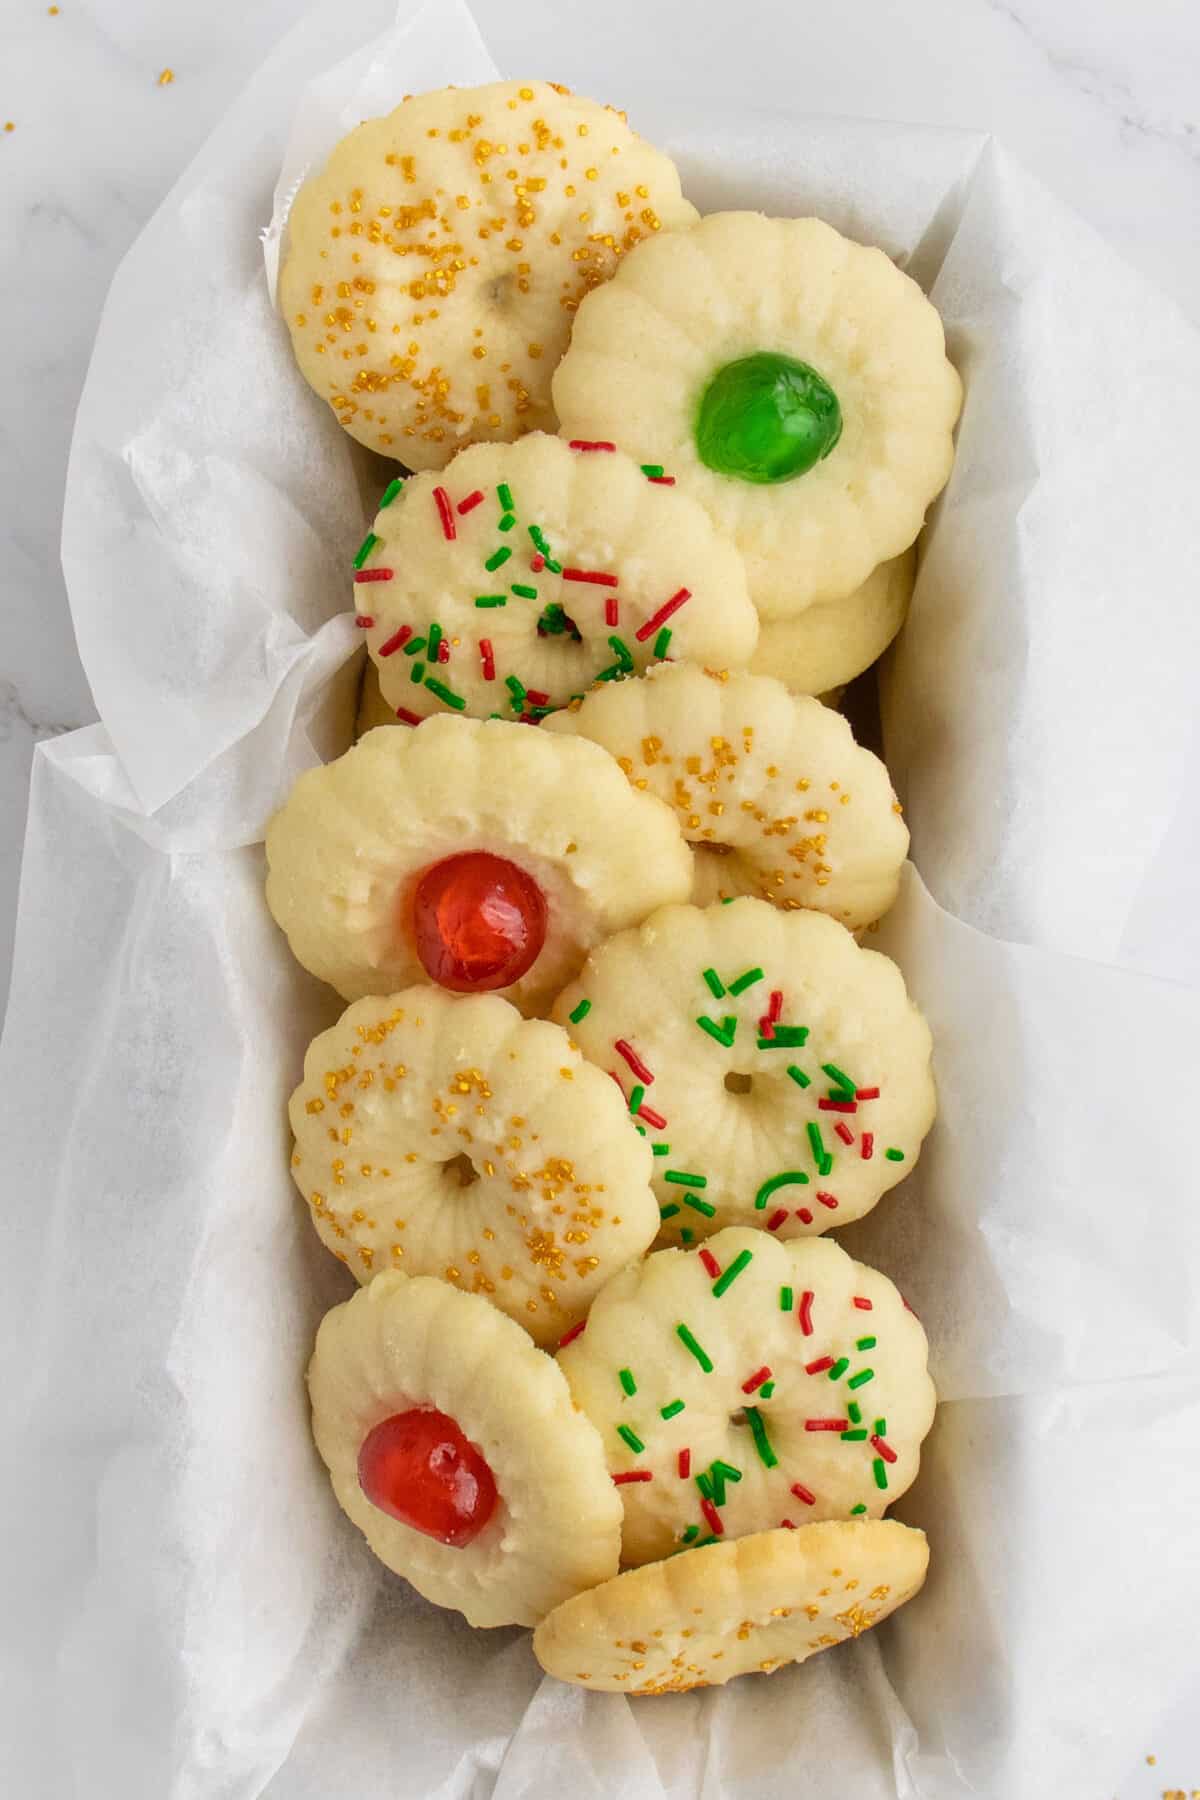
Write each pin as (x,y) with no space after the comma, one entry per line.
(479,922)
(419,1467)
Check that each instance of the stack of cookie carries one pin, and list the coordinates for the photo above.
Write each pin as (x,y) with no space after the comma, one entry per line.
(615,1060)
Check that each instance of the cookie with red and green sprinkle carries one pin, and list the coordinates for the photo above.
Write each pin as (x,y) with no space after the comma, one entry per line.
(521,574)
(750,1384)
(781,1073)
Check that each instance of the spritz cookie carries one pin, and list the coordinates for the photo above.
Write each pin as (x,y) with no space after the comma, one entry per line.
(782,1072)
(473,853)
(435,264)
(749,1384)
(795,382)
(771,790)
(741,1608)
(827,645)
(450,1135)
(452,1444)
(524,572)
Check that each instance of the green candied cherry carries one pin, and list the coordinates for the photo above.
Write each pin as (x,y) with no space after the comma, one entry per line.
(766,418)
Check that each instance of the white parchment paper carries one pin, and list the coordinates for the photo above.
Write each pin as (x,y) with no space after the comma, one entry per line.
(186,1614)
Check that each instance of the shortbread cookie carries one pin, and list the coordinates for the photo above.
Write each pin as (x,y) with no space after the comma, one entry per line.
(795,382)
(435,263)
(826,646)
(749,1384)
(771,790)
(524,572)
(473,853)
(452,1444)
(448,1134)
(733,1609)
(782,1072)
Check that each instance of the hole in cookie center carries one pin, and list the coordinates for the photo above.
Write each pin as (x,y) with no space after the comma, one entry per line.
(499,290)
(737,1083)
(713,849)
(460,1171)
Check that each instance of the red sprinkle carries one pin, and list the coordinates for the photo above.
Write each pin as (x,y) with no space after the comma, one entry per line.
(804,1216)
(445,512)
(633,1475)
(590,444)
(710,1263)
(775,1009)
(776,1219)
(837,1106)
(443,654)
(766,1026)
(787,1524)
(815,1368)
(361,575)
(407,718)
(802,1493)
(364,621)
(487,657)
(611,610)
(625,1049)
(396,642)
(805,1312)
(662,615)
(885,1450)
(662,480)
(863,1304)
(829,1200)
(911,1309)
(537,563)
(868,1145)
(685,1464)
(652,1118)
(570,1336)
(866,1093)
(826,1424)
(596,576)
(843,1131)
(467,505)
(537,696)
(756,1380)
(716,1523)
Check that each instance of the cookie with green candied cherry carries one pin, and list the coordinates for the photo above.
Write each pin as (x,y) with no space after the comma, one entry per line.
(796,383)
(781,1072)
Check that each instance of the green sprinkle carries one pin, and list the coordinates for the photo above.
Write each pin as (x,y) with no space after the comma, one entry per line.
(787,1178)
(491,600)
(704,1482)
(861,1379)
(681,1178)
(746,980)
(767,1389)
(839,1368)
(445,694)
(631,1438)
(717,1481)
(413,646)
(742,1260)
(880,1471)
(636,1098)
(693,1531)
(894,1155)
(844,1082)
(762,1442)
(854,1437)
(364,549)
(785,1299)
(798,1076)
(881,1428)
(728,899)
(497,559)
(524,593)
(641,1130)
(555,568)
(698,1351)
(660,1149)
(517,690)
(390,491)
(700,1206)
(504,495)
(669,1411)
(713,1539)
(653,469)
(715,1031)
(855,1411)
(662,640)
(614,672)
(668,1212)
(581,1012)
(436,634)
(621,651)
(817,1142)
(625,1377)
(686,1234)
(860,1508)
(507,522)
(729,1470)
(716,986)
(417,674)
(867,1343)
(785,1037)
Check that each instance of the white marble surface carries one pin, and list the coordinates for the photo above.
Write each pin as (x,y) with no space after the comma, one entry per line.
(1100,97)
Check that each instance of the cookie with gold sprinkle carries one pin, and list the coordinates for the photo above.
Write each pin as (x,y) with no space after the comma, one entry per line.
(793,381)
(447,1135)
(827,645)
(749,1384)
(782,1072)
(435,264)
(452,1444)
(523,573)
(771,790)
(741,1608)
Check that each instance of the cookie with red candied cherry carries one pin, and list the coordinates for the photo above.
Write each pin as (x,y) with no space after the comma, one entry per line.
(751,1383)
(477,854)
(452,1444)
